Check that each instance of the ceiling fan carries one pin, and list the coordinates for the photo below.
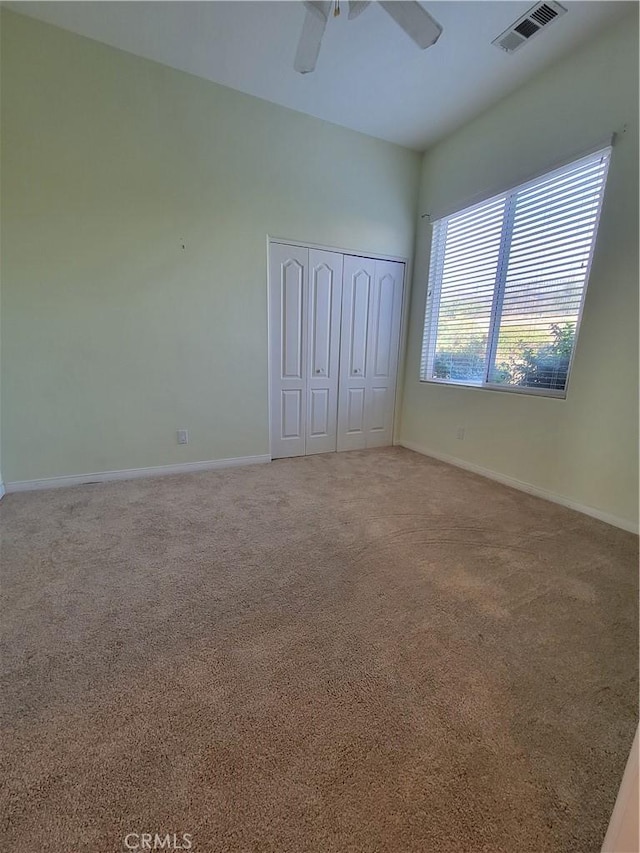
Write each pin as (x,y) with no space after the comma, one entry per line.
(408,14)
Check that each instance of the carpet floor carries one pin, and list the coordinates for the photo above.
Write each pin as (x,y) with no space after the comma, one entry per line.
(368,652)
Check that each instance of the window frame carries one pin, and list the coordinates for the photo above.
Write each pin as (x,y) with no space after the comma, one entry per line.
(432,290)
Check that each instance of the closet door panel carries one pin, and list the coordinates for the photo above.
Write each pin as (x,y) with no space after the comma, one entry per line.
(383,328)
(357,291)
(355,411)
(360,298)
(377,415)
(292,414)
(292,280)
(383,345)
(288,317)
(320,325)
(319,424)
(325,306)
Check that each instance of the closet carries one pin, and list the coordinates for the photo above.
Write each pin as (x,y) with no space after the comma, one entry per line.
(334,332)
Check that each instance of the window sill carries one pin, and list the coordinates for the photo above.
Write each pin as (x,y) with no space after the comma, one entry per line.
(501,389)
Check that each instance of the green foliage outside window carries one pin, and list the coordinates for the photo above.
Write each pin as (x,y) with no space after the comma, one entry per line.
(545,366)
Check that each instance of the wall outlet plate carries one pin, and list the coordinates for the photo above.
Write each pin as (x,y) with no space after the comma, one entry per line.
(183,436)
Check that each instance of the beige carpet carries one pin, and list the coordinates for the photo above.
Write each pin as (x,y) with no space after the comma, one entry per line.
(366,652)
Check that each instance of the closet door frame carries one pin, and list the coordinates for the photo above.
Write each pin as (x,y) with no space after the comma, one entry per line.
(404,317)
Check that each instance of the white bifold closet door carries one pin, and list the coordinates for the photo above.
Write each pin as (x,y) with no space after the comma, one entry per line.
(305,295)
(370,334)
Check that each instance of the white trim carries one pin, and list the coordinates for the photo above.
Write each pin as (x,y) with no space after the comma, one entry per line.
(134,473)
(269,334)
(524,487)
(402,349)
(341,251)
(2,490)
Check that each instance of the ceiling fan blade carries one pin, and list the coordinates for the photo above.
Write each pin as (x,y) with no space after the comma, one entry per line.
(312,31)
(414,20)
(356,8)
(321,8)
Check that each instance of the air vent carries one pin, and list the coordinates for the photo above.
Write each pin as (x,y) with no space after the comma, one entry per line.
(543,14)
(527,28)
(523,30)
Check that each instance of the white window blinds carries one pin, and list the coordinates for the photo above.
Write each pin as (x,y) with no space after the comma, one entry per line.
(507,281)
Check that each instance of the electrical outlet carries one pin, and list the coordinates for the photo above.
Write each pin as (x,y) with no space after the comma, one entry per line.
(460,433)
(183,436)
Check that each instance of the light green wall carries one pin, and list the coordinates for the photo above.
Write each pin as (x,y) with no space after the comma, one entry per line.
(584,448)
(114,336)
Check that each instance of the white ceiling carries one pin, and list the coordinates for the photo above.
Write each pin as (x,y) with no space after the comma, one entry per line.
(370,76)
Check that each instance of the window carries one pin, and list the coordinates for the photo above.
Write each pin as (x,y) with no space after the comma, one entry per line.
(507,281)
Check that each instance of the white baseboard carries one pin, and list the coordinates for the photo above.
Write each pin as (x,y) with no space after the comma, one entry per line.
(134,473)
(523,487)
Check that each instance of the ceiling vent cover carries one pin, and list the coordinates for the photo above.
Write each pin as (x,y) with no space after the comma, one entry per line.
(525,28)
